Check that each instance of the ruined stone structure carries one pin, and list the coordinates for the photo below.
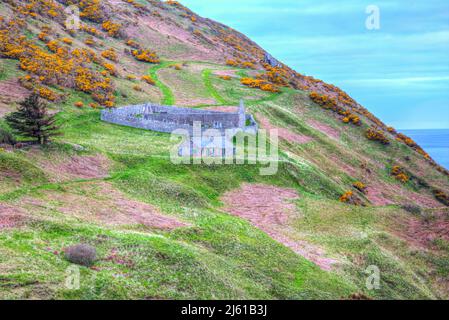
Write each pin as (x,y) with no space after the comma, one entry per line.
(169,118)
(209,146)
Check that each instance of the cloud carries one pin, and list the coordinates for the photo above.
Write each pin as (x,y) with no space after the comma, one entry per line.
(359,41)
(396,81)
(405,63)
(296,7)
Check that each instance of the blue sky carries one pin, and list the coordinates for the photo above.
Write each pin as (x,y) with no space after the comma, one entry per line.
(399,72)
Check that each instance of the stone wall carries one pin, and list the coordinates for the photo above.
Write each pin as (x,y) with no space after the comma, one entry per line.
(169,118)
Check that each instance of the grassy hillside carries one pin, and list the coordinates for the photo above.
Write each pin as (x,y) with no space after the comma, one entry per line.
(167,231)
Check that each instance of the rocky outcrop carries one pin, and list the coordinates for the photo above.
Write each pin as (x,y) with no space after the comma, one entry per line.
(268,58)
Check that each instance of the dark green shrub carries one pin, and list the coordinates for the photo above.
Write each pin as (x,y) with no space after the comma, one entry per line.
(413,209)
(6,137)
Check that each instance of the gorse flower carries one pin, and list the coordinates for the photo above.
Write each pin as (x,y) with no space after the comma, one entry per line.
(113,29)
(377,135)
(333,104)
(145,56)
(148,80)
(399,174)
(110,54)
(260,84)
(359,186)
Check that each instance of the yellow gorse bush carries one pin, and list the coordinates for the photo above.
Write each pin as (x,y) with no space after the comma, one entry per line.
(145,56)
(90,10)
(148,80)
(359,186)
(47,8)
(113,29)
(60,67)
(399,174)
(376,135)
(110,54)
(241,64)
(67,41)
(331,103)
(47,93)
(346,197)
(110,68)
(260,84)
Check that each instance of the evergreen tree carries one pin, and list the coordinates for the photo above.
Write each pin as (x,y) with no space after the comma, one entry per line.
(32,120)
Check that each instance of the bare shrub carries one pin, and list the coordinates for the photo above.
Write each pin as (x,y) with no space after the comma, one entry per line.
(82,254)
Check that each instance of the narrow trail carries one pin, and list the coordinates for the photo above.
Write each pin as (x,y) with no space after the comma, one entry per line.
(168,98)
(222,101)
(23,191)
(20,192)
(211,89)
(271,97)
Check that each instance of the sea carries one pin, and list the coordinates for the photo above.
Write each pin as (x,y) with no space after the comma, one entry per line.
(434,141)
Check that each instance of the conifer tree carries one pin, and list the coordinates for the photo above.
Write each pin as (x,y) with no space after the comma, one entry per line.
(33,121)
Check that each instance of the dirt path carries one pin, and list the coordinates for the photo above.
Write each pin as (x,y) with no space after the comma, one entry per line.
(270,209)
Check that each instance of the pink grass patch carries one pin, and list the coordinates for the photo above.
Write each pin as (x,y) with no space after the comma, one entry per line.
(10,217)
(270,209)
(75,167)
(10,92)
(173,34)
(109,206)
(324,128)
(422,232)
(231,109)
(376,197)
(230,73)
(283,133)
(382,193)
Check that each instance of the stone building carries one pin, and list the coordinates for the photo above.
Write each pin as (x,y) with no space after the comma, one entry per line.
(206,146)
(170,118)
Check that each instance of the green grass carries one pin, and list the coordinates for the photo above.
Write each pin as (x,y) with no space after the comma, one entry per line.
(210,87)
(87,130)
(173,266)
(167,95)
(9,69)
(206,74)
(217,256)
(16,169)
